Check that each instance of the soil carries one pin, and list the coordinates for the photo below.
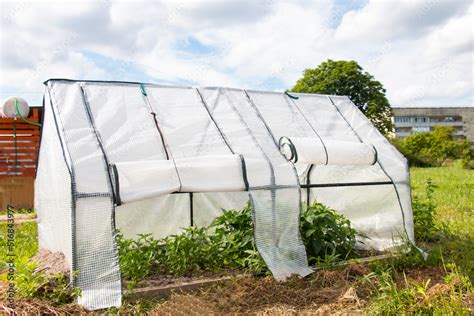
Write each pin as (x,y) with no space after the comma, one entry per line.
(28,306)
(325,292)
(51,262)
(335,292)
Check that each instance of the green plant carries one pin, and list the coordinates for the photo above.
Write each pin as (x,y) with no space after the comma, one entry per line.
(233,233)
(418,297)
(137,257)
(326,233)
(188,252)
(343,77)
(25,242)
(18,211)
(430,149)
(29,282)
(228,243)
(424,211)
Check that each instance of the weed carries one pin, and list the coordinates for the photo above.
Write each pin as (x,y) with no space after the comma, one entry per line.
(26,242)
(418,297)
(29,282)
(424,214)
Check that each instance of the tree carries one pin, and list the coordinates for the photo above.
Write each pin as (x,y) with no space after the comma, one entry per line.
(433,148)
(349,79)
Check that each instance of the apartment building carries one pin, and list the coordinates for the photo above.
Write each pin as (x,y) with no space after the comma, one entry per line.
(408,120)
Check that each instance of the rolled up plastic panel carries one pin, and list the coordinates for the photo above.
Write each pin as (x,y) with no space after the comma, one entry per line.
(350,153)
(217,173)
(139,180)
(312,151)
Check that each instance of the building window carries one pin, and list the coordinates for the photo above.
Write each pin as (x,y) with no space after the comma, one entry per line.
(402,119)
(421,119)
(418,129)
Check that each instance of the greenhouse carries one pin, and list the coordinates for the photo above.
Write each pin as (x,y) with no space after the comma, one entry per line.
(146,158)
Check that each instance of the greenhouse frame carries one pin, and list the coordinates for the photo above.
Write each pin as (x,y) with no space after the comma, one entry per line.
(147,158)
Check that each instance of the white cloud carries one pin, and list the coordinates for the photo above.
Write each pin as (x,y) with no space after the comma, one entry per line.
(420,51)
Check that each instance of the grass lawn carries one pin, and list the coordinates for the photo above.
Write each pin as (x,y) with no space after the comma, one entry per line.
(454,197)
(405,285)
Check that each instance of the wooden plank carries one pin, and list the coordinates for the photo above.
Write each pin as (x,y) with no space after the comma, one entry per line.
(166,291)
(12,157)
(21,164)
(9,152)
(17,191)
(10,126)
(34,131)
(20,143)
(20,121)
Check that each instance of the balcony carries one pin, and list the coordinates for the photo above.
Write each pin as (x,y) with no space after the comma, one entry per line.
(405,134)
(420,124)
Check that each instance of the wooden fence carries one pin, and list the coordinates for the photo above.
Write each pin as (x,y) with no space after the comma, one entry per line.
(18,159)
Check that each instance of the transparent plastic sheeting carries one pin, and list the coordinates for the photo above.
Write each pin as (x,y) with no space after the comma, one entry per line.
(274,196)
(163,140)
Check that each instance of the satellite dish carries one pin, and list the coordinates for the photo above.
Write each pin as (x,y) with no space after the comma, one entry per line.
(15,107)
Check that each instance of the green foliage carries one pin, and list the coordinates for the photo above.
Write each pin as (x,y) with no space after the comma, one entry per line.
(233,234)
(454,205)
(419,298)
(424,214)
(191,251)
(18,211)
(137,257)
(228,243)
(29,282)
(430,149)
(348,78)
(26,241)
(326,233)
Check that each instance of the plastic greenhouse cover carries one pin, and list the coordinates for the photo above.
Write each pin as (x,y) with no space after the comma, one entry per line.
(122,142)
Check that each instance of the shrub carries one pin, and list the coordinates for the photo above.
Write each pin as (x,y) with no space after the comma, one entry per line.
(326,233)
(430,149)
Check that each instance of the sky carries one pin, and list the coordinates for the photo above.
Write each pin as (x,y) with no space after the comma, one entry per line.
(421,51)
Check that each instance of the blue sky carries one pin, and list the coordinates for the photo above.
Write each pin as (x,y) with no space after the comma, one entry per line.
(421,51)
